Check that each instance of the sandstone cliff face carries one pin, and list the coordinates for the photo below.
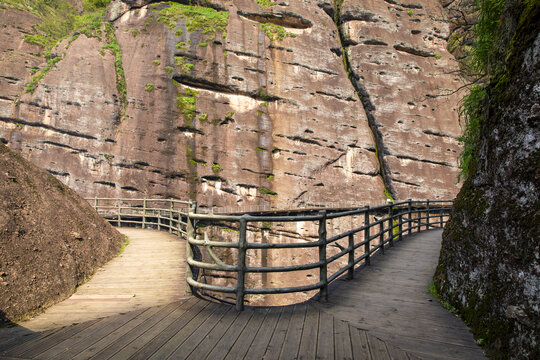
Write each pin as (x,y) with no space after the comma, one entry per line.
(342,104)
(51,240)
(489,265)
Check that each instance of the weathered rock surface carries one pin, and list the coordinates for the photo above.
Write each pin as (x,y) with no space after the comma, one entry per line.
(489,267)
(51,240)
(399,62)
(275,122)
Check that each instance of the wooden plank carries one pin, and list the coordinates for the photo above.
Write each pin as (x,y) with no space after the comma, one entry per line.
(294,333)
(116,335)
(209,342)
(259,344)
(308,343)
(37,346)
(229,338)
(378,348)
(143,334)
(89,338)
(396,353)
(196,336)
(13,338)
(98,330)
(241,346)
(359,344)
(161,346)
(273,351)
(325,338)
(342,340)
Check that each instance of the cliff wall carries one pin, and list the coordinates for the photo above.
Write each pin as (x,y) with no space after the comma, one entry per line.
(240,103)
(489,264)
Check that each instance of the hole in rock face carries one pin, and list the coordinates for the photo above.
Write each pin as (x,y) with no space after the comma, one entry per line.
(285,19)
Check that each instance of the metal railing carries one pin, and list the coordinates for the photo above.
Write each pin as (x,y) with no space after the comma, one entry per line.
(395,219)
(160,214)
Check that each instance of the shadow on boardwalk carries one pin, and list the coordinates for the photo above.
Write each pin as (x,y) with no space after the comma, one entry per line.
(197,329)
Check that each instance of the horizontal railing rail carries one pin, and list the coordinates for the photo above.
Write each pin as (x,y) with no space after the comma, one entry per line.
(160,214)
(390,222)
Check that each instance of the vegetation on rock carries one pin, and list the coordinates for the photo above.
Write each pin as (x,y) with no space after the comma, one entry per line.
(197,18)
(114,48)
(488,268)
(275,32)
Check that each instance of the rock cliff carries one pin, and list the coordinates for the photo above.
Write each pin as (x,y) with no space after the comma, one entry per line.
(489,264)
(51,240)
(239,102)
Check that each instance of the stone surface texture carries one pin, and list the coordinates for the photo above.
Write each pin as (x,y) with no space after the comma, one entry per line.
(51,240)
(489,265)
(277,122)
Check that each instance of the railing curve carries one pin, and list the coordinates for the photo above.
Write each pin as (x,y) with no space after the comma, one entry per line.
(394,220)
(381,226)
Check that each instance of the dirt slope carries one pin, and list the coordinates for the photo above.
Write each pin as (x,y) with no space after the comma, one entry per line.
(51,240)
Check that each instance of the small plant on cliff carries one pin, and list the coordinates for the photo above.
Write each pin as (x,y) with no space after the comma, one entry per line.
(149,87)
(265,4)
(197,18)
(266,191)
(135,32)
(156,62)
(184,66)
(276,32)
(186,103)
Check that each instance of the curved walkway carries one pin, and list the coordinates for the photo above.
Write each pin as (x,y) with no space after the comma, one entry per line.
(197,329)
(390,299)
(150,272)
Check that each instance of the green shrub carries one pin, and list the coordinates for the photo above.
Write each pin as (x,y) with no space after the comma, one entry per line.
(275,32)
(265,4)
(149,87)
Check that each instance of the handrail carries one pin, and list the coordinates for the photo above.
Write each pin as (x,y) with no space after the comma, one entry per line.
(136,211)
(381,226)
(396,219)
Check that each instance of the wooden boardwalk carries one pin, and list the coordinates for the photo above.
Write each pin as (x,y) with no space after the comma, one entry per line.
(197,329)
(390,299)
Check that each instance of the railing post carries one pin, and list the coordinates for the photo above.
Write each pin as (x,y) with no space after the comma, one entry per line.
(391,223)
(381,235)
(323,271)
(171,206)
(96,203)
(144,214)
(240,287)
(119,213)
(409,210)
(366,235)
(441,211)
(351,257)
(189,252)
(427,215)
(400,226)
